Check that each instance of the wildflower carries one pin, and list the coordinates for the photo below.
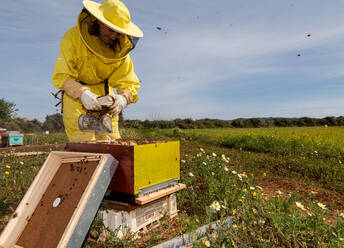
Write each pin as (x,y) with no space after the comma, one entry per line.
(321,205)
(212,173)
(208,157)
(21,162)
(252,188)
(260,188)
(254,210)
(234,172)
(309,213)
(244,190)
(8,166)
(224,158)
(204,163)
(240,177)
(7,172)
(244,175)
(202,150)
(279,192)
(206,243)
(190,174)
(234,212)
(183,161)
(226,169)
(261,222)
(235,226)
(299,205)
(341,215)
(264,174)
(199,155)
(216,206)
(214,154)
(254,194)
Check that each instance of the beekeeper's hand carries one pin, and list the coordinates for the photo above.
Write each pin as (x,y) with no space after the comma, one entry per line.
(120,102)
(89,101)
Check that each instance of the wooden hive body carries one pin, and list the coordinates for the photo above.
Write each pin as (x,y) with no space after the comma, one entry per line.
(141,164)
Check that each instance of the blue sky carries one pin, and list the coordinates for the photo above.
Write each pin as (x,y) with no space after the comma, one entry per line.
(222,59)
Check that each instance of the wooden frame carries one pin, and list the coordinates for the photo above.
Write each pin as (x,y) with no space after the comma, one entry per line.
(86,206)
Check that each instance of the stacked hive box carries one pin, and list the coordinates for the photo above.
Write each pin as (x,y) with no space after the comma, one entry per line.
(148,174)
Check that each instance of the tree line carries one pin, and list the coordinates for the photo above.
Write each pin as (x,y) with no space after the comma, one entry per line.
(238,123)
(54,122)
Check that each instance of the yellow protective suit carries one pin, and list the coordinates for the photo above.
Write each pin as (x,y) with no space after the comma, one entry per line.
(85,58)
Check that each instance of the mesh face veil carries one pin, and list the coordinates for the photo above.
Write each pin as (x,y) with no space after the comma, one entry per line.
(116,49)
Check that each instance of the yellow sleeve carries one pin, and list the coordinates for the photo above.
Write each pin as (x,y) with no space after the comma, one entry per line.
(66,62)
(125,80)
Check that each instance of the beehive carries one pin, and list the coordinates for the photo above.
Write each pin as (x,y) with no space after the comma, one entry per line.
(143,164)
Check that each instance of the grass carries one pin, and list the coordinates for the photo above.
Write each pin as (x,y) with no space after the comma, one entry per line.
(283,187)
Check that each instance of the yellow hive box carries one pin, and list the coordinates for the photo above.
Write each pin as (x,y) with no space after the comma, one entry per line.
(144,165)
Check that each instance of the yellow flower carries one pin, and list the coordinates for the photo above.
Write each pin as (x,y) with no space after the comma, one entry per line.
(234,211)
(21,162)
(8,166)
(245,190)
(260,188)
(254,210)
(7,172)
(254,194)
(252,188)
(235,226)
(264,174)
(341,215)
(206,243)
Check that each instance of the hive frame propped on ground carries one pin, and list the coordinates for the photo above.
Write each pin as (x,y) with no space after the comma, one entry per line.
(87,206)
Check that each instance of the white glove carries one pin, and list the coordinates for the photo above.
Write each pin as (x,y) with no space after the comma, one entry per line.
(89,101)
(120,102)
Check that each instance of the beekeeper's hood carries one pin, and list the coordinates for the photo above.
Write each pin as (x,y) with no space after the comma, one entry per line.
(115,15)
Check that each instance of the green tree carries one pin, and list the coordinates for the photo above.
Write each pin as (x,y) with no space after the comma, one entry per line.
(7,109)
(53,123)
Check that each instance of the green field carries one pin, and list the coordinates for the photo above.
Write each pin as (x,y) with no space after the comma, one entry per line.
(284,187)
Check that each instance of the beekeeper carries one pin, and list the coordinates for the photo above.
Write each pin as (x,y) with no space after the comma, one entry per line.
(93,59)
